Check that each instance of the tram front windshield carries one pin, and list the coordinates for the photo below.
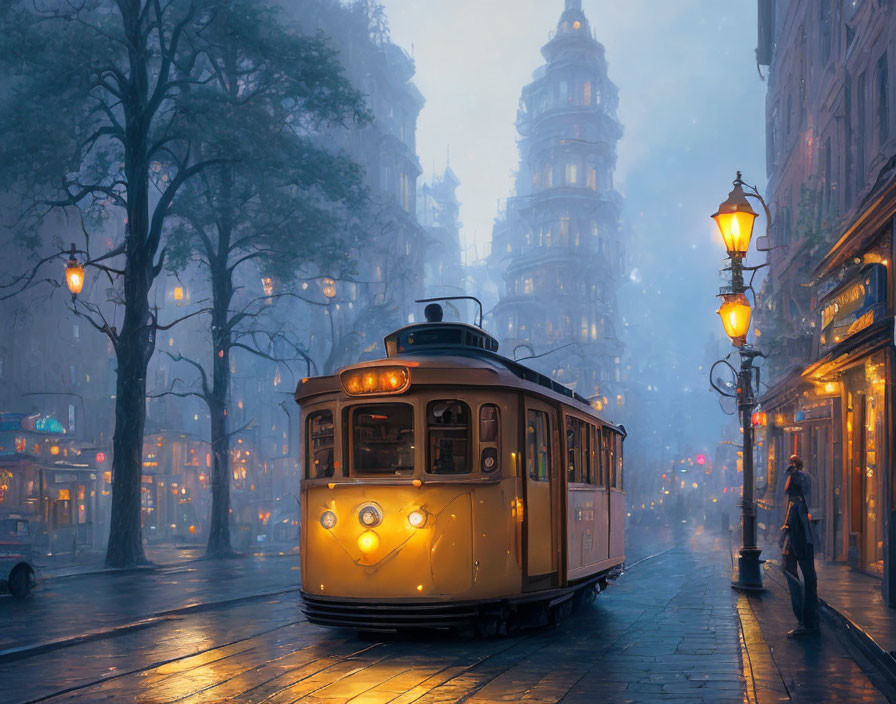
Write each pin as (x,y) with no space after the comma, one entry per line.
(383,439)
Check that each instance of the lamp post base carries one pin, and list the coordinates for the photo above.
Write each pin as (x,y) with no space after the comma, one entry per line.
(749,571)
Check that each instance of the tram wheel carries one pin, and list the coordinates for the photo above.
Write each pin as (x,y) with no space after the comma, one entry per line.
(561,612)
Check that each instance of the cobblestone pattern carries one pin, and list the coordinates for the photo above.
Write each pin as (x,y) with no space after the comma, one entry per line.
(667,630)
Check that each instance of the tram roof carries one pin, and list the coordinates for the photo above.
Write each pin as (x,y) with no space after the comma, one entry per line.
(429,349)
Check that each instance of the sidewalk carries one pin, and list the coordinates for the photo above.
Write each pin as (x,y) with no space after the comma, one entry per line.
(851,601)
(93,562)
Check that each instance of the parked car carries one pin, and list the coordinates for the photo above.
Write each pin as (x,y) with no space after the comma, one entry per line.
(16,556)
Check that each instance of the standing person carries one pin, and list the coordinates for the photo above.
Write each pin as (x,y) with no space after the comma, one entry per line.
(798,549)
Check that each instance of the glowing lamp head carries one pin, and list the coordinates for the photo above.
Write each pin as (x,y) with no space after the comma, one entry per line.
(74,274)
(328,286)
(54,449)
(417,519)
(369,516)
(328,520)
(368,541)
(735,218)
(736,313)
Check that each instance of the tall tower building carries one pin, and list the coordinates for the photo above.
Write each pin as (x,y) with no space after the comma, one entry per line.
(438,211)
(558,244)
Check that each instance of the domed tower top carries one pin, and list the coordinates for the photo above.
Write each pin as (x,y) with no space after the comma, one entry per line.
(572,31)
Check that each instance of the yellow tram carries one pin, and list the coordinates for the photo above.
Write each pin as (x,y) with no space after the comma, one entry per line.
(446,486)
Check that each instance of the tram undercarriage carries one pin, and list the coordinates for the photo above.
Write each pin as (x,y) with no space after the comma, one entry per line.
(488,617)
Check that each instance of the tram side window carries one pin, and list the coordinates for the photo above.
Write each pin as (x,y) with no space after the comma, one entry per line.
(587,453)
(488,438)
(611,459)
(320,445)
(383,439)
(619,482)
(595,467)
(574,469)
(449,437)
(538,452)
(605,457)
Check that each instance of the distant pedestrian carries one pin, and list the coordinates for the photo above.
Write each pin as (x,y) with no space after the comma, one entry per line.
(798,550)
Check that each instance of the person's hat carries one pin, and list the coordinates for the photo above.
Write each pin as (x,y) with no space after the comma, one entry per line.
(796,460)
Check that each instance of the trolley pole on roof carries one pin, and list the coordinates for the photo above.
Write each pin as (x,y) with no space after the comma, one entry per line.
(735,218)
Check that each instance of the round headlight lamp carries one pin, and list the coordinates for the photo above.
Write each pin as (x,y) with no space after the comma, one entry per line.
(328,519)
(417,519)
(369,516)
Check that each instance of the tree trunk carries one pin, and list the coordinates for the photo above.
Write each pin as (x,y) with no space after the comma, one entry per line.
(134,349)
(222,295)
(219,530)
(136,341)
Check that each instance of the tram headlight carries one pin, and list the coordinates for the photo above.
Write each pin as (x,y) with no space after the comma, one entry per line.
(417,519)
(328,519)
(368,541)
(369,516)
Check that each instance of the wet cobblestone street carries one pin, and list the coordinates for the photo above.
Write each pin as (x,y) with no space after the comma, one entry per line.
(670,629)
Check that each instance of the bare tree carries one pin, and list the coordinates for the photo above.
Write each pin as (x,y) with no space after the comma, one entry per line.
(101,112)
(279,206)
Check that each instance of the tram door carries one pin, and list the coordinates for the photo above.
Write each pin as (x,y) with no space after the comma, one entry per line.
(541,495)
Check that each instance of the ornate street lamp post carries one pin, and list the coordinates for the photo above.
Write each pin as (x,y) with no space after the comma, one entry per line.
(735,219)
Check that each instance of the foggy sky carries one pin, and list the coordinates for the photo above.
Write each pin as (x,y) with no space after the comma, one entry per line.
(692,107)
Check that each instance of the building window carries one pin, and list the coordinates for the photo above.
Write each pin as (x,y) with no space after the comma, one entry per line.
(405,193)
(548,176)
(76,331)
(572,176)
(592,179)
(527,285)
(586,93)
(861,90)
(824,31)
(828,178)
(71,418)
(787,118)
(883,108)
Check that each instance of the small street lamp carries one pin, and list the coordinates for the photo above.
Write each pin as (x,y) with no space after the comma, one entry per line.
(329,287)
(74,273)
(736,314)
(735,219)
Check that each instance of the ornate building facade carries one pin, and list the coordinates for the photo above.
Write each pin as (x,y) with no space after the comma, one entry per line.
(826,310)
(558,244)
